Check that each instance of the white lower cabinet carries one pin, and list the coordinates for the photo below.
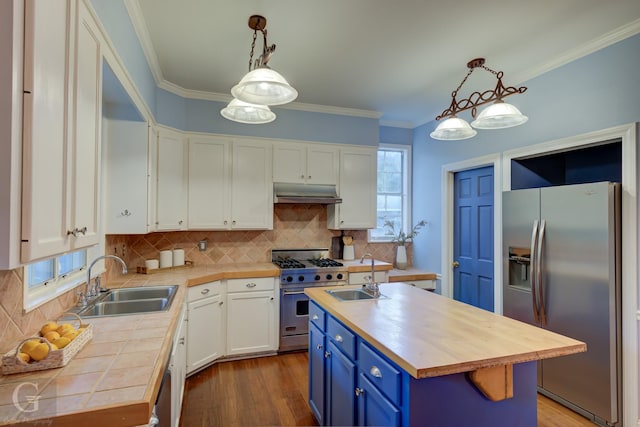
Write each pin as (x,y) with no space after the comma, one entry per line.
(178,368)
(206,325)
(428,285)
(251,316)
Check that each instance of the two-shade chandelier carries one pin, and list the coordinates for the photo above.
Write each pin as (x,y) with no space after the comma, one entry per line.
(260,87)
(499,115)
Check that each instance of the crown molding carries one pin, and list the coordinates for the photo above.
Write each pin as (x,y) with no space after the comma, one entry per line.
(606,40)
(140,27)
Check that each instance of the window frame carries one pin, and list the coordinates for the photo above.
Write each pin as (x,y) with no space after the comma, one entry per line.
(55,287)
(406,193)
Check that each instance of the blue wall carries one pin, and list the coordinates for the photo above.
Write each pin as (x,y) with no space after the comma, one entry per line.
(596,92)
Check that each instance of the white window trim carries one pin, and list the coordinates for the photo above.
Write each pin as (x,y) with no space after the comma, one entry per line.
(36,297)
(409,192)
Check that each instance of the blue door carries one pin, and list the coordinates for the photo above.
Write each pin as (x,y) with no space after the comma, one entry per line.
(473,237)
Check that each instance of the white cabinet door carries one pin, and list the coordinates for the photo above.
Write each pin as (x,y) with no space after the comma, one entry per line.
(171,181)
(305,163)
(205,337)
(289,162)
(61,129)
(251,322)
(322,164)
(251,185)
(126,176)
(87,102)
(46,155)
(179,372)
(209,184)
(358,190)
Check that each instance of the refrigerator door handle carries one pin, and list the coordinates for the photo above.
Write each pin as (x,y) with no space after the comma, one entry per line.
(532,276)
(539,275)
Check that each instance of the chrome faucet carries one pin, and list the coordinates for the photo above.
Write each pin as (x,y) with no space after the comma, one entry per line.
(371,286)
(95,290)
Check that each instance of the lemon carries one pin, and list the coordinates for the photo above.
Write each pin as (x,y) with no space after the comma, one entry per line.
(29,345)
(39,352)
(51,336)
(71,335)
(64,328)
(61,342)
(49,326)
(25,357)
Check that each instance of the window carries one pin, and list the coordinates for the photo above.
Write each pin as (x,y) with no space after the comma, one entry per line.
(47,279)
(394,191)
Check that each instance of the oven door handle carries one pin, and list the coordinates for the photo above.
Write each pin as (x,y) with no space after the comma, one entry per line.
(284,292)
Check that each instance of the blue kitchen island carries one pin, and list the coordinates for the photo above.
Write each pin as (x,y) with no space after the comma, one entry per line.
(414,358)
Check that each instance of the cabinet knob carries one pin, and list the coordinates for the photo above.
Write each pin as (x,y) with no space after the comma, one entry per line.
(181,341)
(221,302)
(359,391)
(205,291)
(314,317)
(327,355)
(302,176)
(180,222)
(73,232)
(339,338)
(271,298)
(225,222)
(82,230)
(319,346)
(309,177)
(375,372)
(233,222)
(251,285)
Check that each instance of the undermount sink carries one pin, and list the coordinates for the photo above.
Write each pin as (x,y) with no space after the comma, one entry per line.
(118,302)
(146,292)
(351,294)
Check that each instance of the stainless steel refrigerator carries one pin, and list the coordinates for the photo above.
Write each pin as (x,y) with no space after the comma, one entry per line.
(561,257)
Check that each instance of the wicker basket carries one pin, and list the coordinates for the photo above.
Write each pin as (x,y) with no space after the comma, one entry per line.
(12,364)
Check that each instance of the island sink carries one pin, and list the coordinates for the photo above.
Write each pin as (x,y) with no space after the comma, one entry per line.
(351,294)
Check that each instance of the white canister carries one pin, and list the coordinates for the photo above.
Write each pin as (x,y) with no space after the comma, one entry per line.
(152,264)
(348,253)
(178,257)
(166,259)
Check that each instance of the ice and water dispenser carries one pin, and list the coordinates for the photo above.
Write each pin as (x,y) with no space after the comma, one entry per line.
(519,268)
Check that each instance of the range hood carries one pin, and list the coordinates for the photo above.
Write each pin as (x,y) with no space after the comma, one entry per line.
(305,193)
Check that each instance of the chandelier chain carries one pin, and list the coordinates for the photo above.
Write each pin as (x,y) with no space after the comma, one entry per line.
(455,92)
(253,45)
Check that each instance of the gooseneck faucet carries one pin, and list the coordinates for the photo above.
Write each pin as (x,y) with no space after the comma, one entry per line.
(95,290)
(371,286)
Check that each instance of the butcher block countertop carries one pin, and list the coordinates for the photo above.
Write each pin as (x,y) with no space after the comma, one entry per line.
(429,335)
(115,378)
(355,266)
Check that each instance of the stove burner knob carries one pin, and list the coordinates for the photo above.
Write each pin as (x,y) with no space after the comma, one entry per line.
(301,278)
(339,276)
(329,277)
(289,279)
(317,277)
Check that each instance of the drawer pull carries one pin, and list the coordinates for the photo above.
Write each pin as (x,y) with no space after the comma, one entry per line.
(205,291)
(339,338)
(375,372)
(314,317)
(251,285)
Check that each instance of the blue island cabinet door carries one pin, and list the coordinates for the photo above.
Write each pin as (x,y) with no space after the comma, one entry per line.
(341,388)
(373,408)
(316,373)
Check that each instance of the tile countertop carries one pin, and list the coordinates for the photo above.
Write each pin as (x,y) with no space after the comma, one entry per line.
(429,335)
(114,379)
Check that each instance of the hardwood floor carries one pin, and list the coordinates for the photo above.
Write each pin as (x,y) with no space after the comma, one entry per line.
(272,391)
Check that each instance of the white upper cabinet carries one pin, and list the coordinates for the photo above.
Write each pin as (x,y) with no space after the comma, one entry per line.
(171,213)
(229,184)
(209,185)
(305,163)
(61,129)
(358,190)
(251,185)
(128,172)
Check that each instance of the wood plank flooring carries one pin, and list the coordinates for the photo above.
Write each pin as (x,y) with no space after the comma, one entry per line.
(272,391)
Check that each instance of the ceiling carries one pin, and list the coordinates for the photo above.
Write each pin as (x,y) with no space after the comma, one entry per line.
(397,60)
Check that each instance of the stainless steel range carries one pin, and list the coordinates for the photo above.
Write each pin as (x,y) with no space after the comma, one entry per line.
(299,269)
